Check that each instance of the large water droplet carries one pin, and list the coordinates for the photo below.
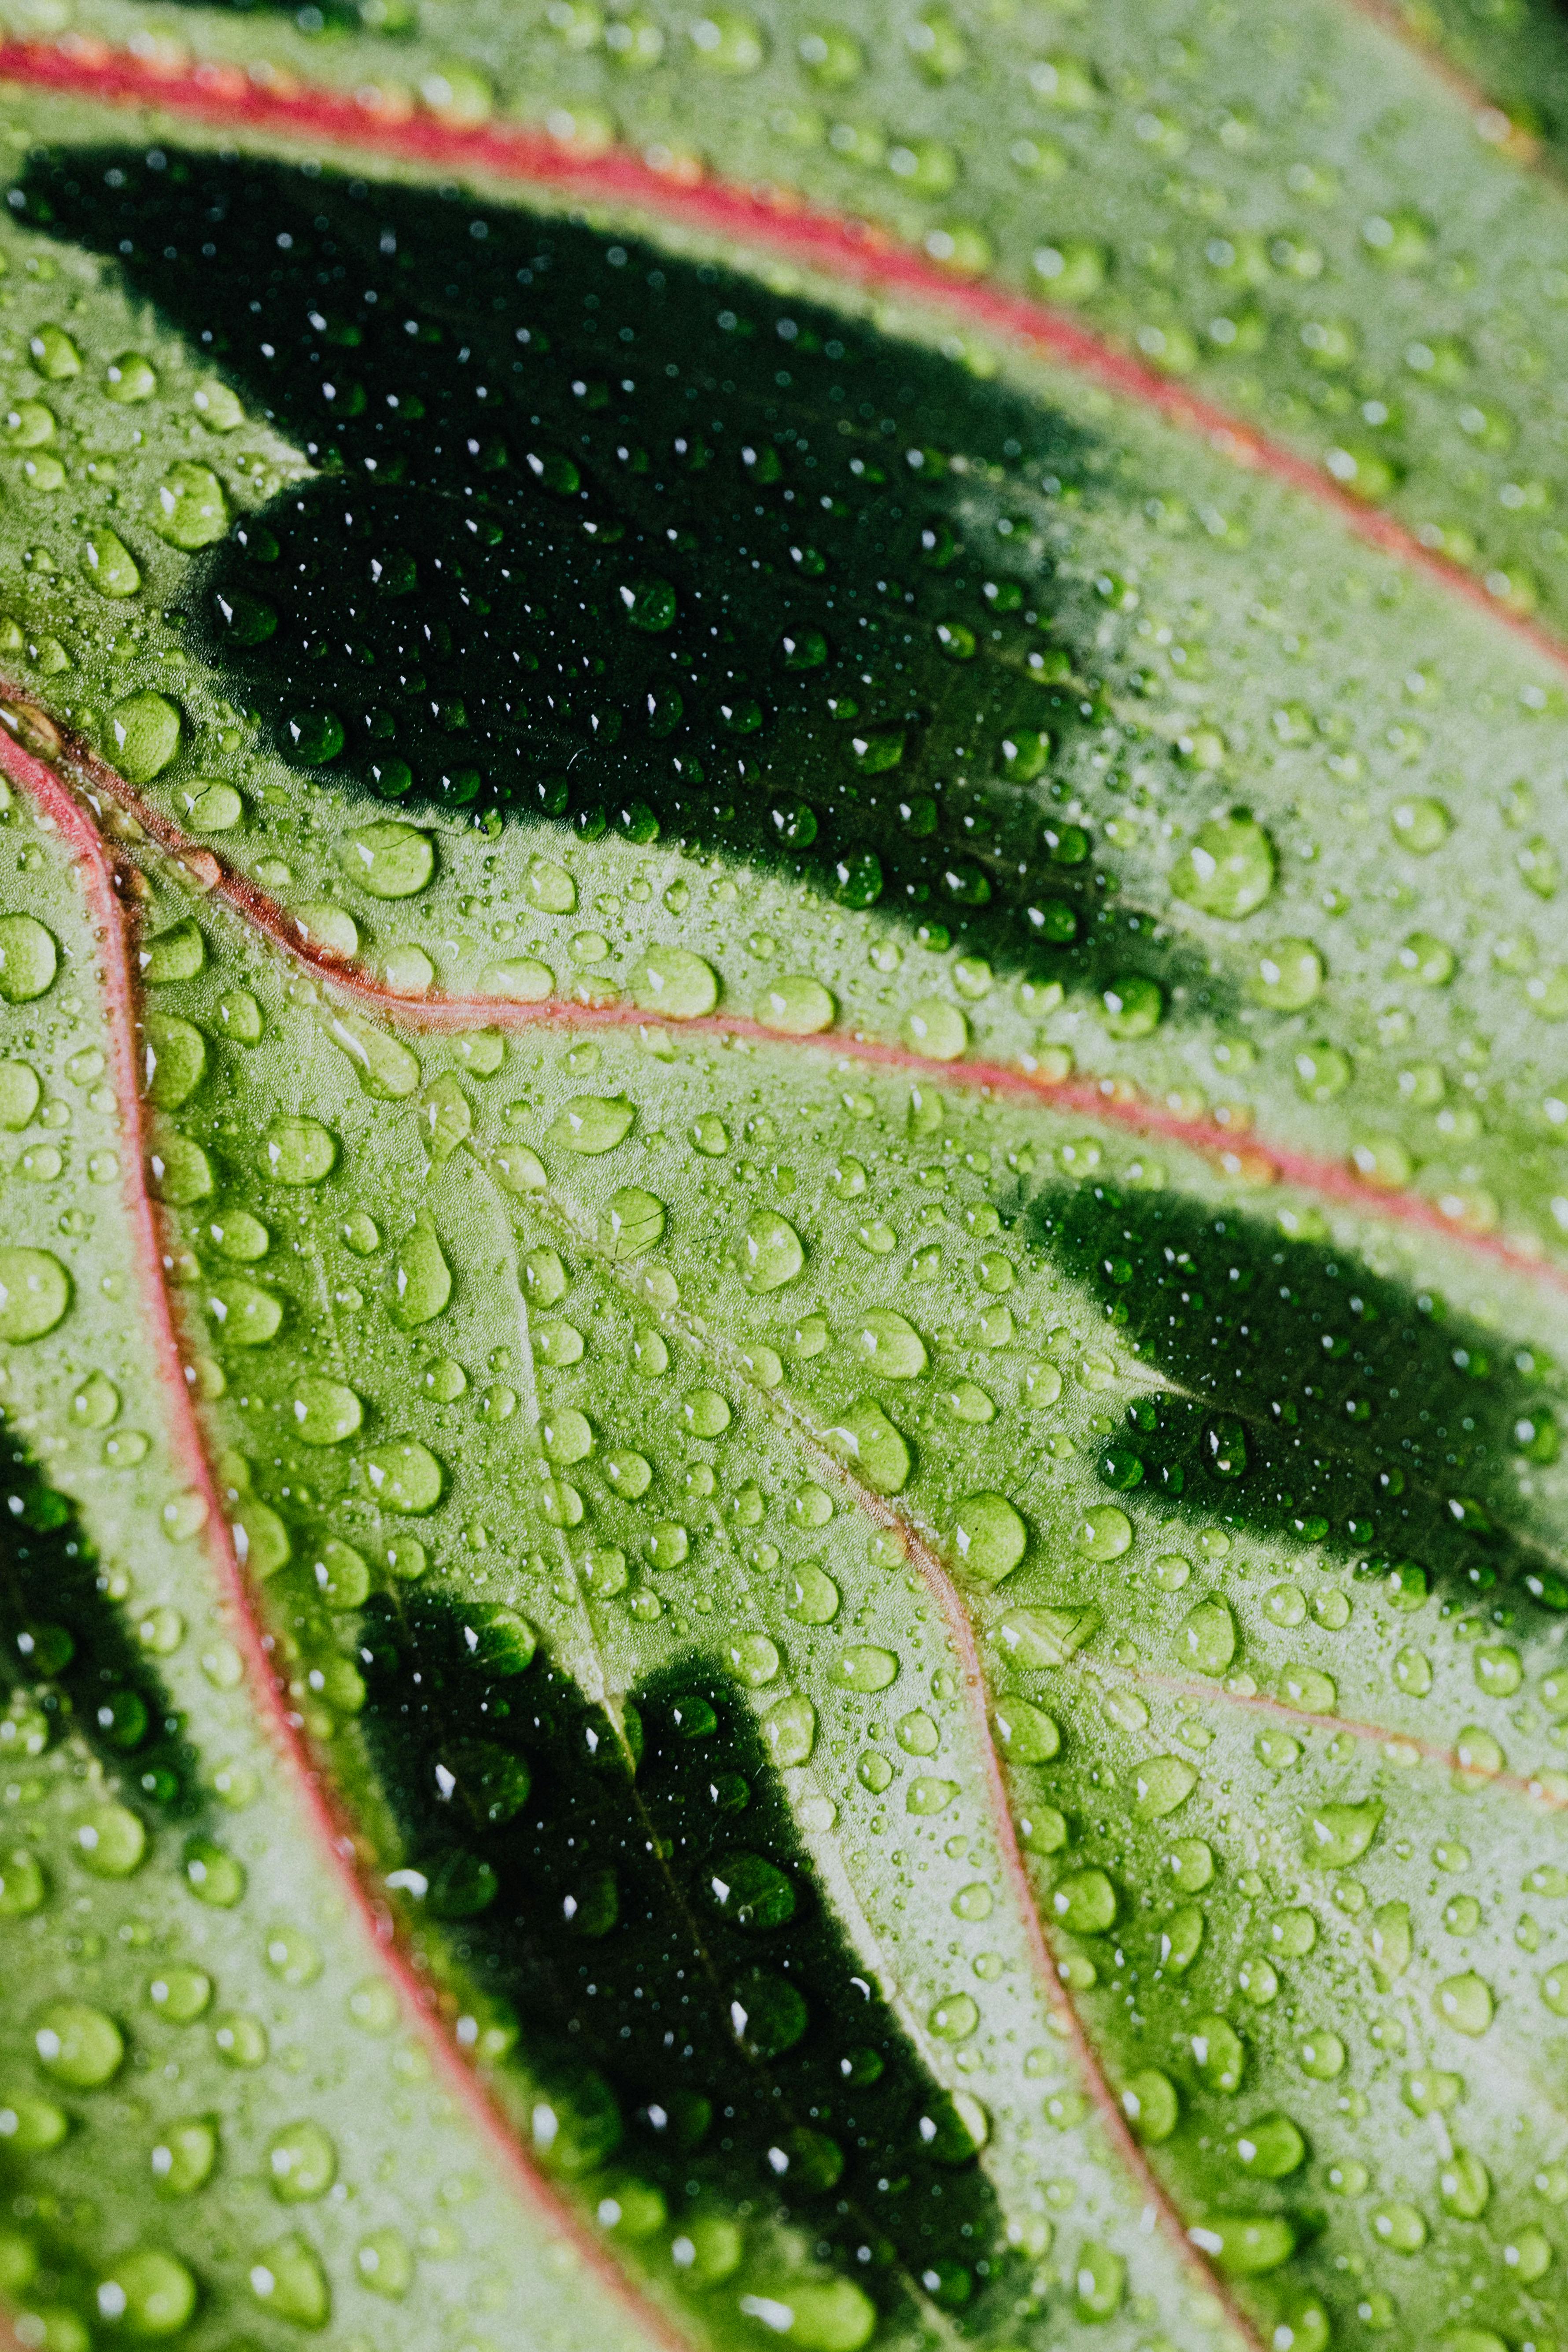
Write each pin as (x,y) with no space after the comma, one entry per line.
(35,1292)
(422,1279)
(772,1254)
(592,1124)
(301,2163)
(77,2045)
(1230,869)
(989,1537)
(29,957)
(674,983)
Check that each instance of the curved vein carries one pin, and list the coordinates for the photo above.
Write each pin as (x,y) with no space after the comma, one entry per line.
(333,1832)
(1112,1101)
(779,221)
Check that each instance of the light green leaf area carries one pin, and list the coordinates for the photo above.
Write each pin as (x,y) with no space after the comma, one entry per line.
(944,1667)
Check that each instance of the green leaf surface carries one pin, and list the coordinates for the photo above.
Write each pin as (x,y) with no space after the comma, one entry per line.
(781,1300)
(1292,211)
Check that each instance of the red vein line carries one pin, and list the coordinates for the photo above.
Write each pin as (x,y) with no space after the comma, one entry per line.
(1377,1734)
(960,1626)
(1104,1099)
(818,236)
(919,1547)
(333,1831)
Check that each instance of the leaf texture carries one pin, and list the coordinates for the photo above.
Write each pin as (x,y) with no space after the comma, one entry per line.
(783,1273)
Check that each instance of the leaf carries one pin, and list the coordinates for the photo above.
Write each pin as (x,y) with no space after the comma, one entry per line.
(827,1486)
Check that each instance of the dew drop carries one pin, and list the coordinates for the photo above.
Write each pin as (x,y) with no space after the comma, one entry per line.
(674,983)
(796,1005)
(421,1278)
(592,1124)
(1228,872)
(989,1537)
(78,2045)
(389,859)
(35,1292)
(299,1151)
(301,2163)
(29,957)
(772,1251)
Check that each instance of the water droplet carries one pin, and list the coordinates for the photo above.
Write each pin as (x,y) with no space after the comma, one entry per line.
(1228,872)
(1217,2053)
(751,1892)
(1103,1533)
(1287,977)
(144,735)
(324,1411)
(422,1279)
(1134,1006)
(35,1292)
(19,1095)
(862,1667)
(499,1640)
(1027,1734)
(935,1029)
(1084,1901)
(174,1059)
(403,1476)
(1464,2002)
(668,1544)
(389,859)
(29,957)
(109,1840)
(1464,2185)
(109,565)
(1245,2245)
(213,1875)
(301,2163)
(1205,1638)
(1337,1835)
(147,2293)
(129,378)
(78,2045)
(928,1795)
(184,2155)
(1161,1785)
(22,1886)
(31,2127)
(1321,2055)
(674,983)
(1420,826)
(1400,2227)
(1100,2282)
(796,1005)
(1150,2105)
(246,1316)
(772,1251)
(631,1222)
(384,2262)
(299,1151)
(592,1124)
(287,2280)
(989,1537)
(866,1441)
(813,1598)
